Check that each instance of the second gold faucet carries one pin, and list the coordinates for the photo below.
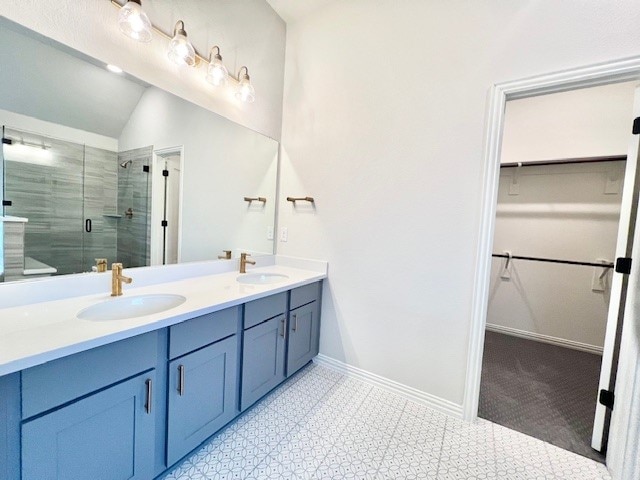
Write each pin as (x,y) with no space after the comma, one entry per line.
(244,261)
(117,278)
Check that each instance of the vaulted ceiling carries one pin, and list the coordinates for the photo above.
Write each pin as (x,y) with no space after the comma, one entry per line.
(43,81)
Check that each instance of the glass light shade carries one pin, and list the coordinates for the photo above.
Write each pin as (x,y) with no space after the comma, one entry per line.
(181,51)
(217,73)
(245,90)
(134,23)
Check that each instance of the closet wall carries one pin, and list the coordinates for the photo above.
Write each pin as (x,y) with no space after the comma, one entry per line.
(566,212)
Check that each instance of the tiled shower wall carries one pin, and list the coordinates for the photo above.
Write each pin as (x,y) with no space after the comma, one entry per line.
(79,183)
(134,192)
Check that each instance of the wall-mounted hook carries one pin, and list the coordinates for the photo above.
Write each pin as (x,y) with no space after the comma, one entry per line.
(505,274)
(599,281)
(514,187)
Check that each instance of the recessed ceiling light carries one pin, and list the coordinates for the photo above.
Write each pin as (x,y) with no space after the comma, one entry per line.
(114,69)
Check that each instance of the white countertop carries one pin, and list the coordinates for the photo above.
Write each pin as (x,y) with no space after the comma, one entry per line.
(40,332)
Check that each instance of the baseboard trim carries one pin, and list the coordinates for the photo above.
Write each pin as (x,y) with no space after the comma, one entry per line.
(440,404)
(538,337)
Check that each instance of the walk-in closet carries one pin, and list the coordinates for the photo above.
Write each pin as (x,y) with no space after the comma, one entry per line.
(561,188)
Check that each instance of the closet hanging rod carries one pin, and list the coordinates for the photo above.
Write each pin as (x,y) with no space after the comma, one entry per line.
(553,260)
(566,161)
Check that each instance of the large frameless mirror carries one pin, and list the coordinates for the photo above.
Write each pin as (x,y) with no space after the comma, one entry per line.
(96,164)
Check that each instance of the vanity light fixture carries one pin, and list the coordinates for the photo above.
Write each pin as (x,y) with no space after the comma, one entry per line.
(133,22)
(181,52)
(244,90)
(217,73)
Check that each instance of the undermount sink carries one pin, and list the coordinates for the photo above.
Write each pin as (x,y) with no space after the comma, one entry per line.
(261,278)
(130,307)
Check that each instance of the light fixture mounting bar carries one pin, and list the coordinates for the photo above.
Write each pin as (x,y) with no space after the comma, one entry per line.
(199,58)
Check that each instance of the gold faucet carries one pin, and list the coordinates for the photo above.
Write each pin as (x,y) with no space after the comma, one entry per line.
(117,278)
(226,256)
(244,261)
(101,265)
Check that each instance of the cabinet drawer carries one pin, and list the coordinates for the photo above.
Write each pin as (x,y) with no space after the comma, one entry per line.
(305,294)
(60,381)
(258,311)
(188,336)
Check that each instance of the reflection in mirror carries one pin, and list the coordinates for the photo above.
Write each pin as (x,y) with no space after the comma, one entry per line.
(100,165)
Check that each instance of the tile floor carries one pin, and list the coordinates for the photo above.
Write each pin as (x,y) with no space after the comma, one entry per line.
(324,425)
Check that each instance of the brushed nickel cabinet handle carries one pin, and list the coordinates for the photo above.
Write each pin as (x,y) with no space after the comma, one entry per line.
(295,322)
(181,380)
(147,406)
(283,328)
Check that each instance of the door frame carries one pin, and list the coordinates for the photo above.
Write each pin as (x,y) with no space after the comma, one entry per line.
(156,210)
(580,77)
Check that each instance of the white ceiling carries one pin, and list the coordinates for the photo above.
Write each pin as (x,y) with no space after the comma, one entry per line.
(293,10)
(41,80)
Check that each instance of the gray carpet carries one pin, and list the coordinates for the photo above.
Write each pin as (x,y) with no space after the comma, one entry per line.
(544,391)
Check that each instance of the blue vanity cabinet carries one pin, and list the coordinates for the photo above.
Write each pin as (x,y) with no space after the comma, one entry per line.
(263,347)
(93,414)
(202,396)
(304,333)
(304,326)
(263,350)
(107,435)
(203,379)
(10,427)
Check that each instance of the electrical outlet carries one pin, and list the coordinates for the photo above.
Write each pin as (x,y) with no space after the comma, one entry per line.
(284,234)
(270,232)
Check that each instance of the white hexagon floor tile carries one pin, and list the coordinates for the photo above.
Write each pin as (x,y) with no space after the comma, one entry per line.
(322,424)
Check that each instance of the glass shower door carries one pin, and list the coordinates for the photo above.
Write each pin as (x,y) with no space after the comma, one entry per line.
(43,198)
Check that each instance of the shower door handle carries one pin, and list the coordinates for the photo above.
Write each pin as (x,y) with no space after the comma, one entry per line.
(87,225)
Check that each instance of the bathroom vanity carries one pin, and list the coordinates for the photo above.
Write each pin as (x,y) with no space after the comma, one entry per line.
(138,394)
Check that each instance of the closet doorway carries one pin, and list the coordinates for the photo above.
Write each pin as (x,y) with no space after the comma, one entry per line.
(552,294)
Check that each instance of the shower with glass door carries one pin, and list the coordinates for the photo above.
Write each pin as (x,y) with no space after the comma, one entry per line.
(62,206)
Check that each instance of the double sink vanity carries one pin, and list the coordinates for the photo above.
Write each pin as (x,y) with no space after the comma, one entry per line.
(93,386)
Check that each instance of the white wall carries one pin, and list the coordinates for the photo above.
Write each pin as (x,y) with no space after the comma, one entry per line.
(223,163)
(588,122)
(249,33)
(384,117)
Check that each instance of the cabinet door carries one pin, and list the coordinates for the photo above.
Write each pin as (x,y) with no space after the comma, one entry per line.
(10,427)
(262,359)
(202,396)
(108,435)
(304,333)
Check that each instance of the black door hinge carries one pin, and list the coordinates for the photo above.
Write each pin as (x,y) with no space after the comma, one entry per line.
(636,126)
(6,203)
(165,173)
(606,398)
(623,265)
(164,223)
(145,168)
(7,141)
